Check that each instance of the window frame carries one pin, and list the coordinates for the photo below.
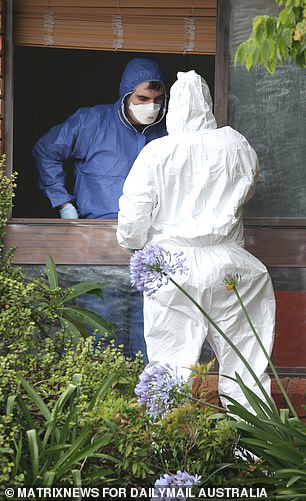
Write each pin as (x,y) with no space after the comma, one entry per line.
(35,238)
(277,242)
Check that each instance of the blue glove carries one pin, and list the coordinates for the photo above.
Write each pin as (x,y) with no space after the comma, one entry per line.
(68,212)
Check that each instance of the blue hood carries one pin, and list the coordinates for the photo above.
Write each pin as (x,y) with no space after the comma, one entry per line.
(139,70)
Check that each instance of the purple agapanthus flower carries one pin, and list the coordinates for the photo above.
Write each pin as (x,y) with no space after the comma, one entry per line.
(163,487)
(151,267)
(161,388)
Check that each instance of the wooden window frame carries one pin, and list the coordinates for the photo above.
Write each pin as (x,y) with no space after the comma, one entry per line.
(86,241)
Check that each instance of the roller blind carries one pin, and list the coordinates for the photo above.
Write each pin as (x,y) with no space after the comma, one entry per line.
(175,26)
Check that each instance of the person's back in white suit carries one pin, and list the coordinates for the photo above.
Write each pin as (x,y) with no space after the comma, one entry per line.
(185,192)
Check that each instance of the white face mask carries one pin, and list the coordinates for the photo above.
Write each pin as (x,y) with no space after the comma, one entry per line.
(145,113)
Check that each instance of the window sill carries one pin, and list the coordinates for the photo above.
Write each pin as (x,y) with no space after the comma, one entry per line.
(277,242)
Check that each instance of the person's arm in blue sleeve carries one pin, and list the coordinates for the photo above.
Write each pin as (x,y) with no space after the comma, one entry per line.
(50,151)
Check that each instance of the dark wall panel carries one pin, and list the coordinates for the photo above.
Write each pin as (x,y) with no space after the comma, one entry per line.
(270,111)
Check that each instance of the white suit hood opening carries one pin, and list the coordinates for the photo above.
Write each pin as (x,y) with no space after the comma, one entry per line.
(190,105)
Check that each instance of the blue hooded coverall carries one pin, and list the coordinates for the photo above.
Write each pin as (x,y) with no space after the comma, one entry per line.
(103,145)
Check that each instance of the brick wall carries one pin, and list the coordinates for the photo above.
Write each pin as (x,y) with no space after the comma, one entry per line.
(1,76)
(295,388)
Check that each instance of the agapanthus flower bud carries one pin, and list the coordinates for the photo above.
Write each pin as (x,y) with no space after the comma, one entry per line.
(231,280)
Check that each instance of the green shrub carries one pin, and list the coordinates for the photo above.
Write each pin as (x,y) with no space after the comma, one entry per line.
(95,426)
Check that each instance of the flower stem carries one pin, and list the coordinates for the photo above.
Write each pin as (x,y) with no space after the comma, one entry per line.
(229,341)
(290,405)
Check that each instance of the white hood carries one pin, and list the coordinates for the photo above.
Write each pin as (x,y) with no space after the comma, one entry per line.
(190,105)
(188,187)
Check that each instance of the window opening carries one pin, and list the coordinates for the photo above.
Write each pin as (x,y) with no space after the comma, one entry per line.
(51,83)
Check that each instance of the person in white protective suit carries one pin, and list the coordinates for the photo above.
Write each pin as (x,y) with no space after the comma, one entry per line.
(185,192)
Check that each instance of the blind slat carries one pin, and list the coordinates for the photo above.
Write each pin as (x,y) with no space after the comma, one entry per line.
(92,11)
(91,28)
(116,4)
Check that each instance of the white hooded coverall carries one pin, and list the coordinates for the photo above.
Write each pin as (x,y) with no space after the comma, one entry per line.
(185,192)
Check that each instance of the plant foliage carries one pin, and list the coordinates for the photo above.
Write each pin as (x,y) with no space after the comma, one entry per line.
(276,39)
(33,310)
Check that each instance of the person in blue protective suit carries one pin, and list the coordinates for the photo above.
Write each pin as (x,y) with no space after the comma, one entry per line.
(103,140)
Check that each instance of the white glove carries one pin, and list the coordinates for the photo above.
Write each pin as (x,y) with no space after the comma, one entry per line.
(68,212)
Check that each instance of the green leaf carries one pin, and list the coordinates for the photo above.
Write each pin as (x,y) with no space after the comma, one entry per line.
(64,397)
(287,37)
(112,427)
(34,453)
(259,22)
(271,66)
(256,56)
(107,456)
(271,26)
(94,320)
(261,408)
(286,455)
(52,428)
(293,480)
(18,456)
(10,404)
(77,480)
(79,451)
(260,34)
(60,466)
(282,49)
(134,468)
(239,411)
(242,52)
(273,51)
(128,450)
(36,398)
(299,3)
(275,456)
(285,430)
(75,329)
(67,427)
(102,390)
(283,17)
(265,435)
(85,288)
(265,51)
(51,273)
(28,421)
(284,415)
(249,61)
(54,449)
(48,478)
(291,471)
